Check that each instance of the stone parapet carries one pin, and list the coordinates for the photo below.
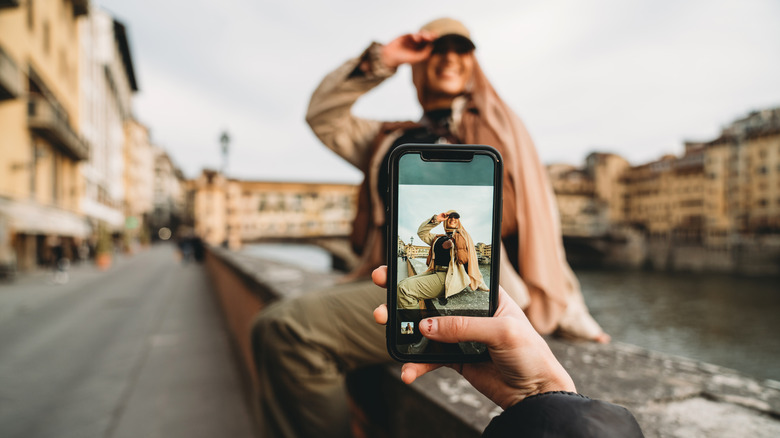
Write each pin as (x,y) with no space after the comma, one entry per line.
(670,396)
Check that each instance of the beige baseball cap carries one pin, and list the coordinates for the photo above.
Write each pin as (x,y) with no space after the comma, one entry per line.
(448,26)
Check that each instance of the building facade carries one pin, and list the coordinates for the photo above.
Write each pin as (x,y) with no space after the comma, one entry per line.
(139,178)
(581,212)
(743,165)
(107,86)
(589,199)
(169,197)
(720,198)
(41,150)
(715,193)
(230,212)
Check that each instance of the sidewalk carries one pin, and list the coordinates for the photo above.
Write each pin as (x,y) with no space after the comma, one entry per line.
(190,384)
(139,350)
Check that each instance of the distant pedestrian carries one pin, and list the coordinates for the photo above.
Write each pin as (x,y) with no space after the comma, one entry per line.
(197,249)
(185,247)
(83,252)
(59,263)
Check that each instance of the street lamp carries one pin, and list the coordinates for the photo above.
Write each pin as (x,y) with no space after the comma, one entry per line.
(225,141)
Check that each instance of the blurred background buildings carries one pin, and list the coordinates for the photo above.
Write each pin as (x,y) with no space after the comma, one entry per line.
(77,167)
(232,212)
(78,170)
(716,207)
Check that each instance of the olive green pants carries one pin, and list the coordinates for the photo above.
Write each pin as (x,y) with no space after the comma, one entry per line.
(303,347)
(420,287)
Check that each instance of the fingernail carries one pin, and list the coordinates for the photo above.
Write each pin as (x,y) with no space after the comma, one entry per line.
(431,325)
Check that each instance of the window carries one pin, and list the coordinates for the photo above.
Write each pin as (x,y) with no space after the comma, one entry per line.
(46,37)
(54,178)
(30,14)
(63,63)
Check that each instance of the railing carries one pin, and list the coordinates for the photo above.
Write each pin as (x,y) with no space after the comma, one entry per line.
(52,123)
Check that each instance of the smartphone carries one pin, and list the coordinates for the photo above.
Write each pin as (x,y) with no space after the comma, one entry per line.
(444,226)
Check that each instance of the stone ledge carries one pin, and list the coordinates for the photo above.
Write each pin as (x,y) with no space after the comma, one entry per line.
(272,280)
(669,395)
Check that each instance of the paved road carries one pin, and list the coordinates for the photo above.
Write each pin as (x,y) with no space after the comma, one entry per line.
(137,351)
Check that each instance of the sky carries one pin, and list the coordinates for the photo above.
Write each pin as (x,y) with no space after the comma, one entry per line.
(417,203)
(634,78)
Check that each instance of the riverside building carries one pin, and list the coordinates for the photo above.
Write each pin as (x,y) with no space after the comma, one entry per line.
(41,149)
(230,211)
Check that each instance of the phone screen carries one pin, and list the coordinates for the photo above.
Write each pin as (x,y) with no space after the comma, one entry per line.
(444,227)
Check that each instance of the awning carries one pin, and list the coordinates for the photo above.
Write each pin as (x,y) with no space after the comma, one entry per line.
(97,212)
(29,217)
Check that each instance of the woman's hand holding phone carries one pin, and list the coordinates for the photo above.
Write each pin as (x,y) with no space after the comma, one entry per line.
(521,362)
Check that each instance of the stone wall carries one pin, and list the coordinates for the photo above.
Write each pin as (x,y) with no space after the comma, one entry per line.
(627,248)
(670,396)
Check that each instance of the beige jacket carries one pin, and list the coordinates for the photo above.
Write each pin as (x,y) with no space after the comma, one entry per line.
(330,117)
(457,278)
(364,143)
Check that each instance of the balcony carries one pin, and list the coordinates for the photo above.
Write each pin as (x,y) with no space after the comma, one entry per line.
(10,77)
(9,3)
(80,7)
(52,124)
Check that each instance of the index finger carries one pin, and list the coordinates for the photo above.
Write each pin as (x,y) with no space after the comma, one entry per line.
(423,36)
(380,276)
(496,333)
(380,314)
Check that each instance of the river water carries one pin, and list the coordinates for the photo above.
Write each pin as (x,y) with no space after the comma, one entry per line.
(724,320)
(721,319)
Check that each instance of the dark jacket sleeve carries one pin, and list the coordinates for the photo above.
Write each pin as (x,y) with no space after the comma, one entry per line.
(563,414)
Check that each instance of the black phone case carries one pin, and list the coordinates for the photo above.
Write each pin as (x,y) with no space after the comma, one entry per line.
(444,150)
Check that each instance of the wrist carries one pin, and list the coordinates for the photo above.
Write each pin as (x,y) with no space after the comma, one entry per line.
(561,382)
(372,64)
(558,381)
(386,59)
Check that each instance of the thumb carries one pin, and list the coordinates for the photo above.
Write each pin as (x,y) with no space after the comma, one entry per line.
(495,332)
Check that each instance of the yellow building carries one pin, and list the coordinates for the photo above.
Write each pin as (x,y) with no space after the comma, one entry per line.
(589,199)
(139,157)
(581,214)
(648,191)
(40,148)
(717,208)
(235,211)
(605,170)
(412,251)
(666,198)
(688,190)
(717,192)
(484,251)
(417,252)
(743,166)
